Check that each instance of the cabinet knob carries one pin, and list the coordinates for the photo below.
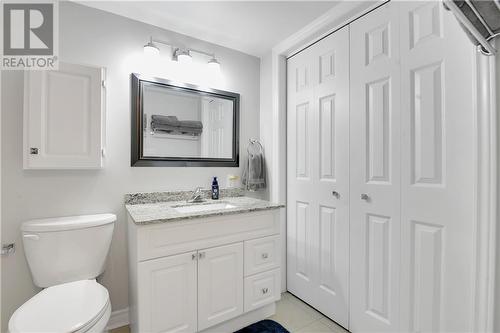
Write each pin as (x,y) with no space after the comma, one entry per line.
(201,255)
(365,197)
(193,256)
(265,290)
(336,194)
(34,151)
(265,255)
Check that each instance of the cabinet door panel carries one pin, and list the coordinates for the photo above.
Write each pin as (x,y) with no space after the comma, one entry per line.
(63,118)
(220,284)
(167,296)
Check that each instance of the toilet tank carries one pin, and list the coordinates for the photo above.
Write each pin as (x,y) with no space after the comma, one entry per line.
(65,249)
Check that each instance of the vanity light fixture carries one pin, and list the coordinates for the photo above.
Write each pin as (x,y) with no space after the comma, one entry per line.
(151,49)
(181,55)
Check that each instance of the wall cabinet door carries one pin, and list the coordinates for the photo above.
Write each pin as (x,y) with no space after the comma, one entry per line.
(220,284)
(63,118)
(167,294)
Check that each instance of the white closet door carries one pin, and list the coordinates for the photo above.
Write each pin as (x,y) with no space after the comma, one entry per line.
(375,171)
(318,175)
(437,170)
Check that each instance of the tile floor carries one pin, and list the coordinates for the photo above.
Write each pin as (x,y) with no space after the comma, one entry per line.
(295,315)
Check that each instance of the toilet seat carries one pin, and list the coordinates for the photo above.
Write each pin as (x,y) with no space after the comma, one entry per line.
(66,308)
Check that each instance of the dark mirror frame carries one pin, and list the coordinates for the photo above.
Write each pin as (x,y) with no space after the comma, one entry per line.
(137,158)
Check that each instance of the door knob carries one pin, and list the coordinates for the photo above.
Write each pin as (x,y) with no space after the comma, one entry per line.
(336,194)
(365,197)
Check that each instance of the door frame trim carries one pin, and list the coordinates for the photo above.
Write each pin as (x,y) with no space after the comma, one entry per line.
(486,128)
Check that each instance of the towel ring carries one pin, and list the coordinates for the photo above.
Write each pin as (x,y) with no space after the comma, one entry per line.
(253,143)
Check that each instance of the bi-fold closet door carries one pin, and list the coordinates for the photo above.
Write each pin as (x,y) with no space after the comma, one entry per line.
(404,223)
(318,176)
(412,153)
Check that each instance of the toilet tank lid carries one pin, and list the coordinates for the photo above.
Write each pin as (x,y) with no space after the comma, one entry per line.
(68,222)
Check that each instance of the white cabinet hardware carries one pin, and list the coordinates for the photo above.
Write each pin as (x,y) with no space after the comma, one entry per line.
(8,249)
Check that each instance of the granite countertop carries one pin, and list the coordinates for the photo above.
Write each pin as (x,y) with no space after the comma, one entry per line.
(148,209)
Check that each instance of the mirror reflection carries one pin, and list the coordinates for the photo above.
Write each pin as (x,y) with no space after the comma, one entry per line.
(184,124)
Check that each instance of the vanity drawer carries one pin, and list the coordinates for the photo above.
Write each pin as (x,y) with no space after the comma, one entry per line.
(262,289)
(262,254)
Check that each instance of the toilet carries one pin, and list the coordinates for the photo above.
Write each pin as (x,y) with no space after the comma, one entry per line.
(65,256)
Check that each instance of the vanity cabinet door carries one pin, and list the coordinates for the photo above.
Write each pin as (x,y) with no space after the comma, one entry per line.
(167,294)
(220,284)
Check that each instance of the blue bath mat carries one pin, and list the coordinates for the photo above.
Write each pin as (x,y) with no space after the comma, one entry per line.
(264,326)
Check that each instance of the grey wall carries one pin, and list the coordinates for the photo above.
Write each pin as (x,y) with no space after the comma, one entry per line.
(94,37)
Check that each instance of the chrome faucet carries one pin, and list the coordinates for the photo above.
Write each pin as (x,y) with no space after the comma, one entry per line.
(196,196)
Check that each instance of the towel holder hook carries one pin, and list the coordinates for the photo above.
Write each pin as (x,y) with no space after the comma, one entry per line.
(253,142)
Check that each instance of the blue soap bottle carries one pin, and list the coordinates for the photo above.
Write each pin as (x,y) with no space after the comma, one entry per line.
(215,189)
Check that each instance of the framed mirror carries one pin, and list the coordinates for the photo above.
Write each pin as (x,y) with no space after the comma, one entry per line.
(183,125)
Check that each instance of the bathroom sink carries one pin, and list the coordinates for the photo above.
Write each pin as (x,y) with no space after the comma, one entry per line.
(205,207)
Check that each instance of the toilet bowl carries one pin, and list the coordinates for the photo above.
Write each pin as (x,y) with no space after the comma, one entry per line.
(65,255)
(80,306)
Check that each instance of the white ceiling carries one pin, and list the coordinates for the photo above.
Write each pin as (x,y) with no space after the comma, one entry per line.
(253,27)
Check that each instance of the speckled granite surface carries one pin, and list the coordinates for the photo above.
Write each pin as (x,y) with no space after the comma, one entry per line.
(161,211)
(152,197)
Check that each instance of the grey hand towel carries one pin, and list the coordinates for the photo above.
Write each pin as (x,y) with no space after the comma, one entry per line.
(254,177)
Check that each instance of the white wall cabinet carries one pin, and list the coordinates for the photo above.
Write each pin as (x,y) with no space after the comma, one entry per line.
(63,118)
(182,280)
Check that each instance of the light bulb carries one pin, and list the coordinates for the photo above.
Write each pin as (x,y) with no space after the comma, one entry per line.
(184,57)
(214,65)
(151,49)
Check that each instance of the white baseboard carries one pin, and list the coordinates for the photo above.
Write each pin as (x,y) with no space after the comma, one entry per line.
(118,318)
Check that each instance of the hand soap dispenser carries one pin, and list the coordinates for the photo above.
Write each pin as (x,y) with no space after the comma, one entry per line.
(215,189)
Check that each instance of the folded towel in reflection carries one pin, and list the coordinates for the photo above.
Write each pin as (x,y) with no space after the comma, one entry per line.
(176,130)
(164,128)
(254,177)
(165,120)
(190,130)
(191,124)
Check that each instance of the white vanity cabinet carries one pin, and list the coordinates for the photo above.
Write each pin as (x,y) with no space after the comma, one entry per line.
(211,274)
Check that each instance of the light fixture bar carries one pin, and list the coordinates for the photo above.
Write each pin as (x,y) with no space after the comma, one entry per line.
(174,47)
(183,52)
